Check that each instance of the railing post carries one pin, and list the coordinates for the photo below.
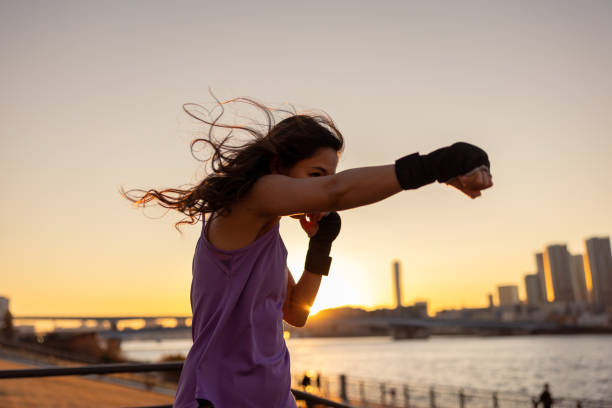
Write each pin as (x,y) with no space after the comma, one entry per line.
(362,393)
(495,401)
(383,394)
(406,397)
(149,381)
(343,394)
(432,397)
(461,398)
(392,392)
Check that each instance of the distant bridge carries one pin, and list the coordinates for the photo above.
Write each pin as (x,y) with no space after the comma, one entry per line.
(109,322)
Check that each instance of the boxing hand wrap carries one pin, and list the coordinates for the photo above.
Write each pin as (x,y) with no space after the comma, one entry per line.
(317,258)
(414,170)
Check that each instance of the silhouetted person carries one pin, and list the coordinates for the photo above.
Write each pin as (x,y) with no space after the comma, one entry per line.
(545,397)
(305,381)
(318,381)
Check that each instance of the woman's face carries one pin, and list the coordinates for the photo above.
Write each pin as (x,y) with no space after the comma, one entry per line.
(322,163)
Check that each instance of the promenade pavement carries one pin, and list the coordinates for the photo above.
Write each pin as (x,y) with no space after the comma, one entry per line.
(71,392)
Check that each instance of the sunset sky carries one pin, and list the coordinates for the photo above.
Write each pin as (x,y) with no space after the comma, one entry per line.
(91,96)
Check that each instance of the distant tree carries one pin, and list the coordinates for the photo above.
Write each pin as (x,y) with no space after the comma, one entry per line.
(8,330)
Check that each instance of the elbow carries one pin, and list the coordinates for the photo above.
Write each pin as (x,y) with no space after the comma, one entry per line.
(300,322)
(296,318)
(296,321)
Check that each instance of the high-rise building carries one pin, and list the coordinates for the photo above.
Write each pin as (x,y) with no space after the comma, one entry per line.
(534,292)
(598,270)
(557,273)
(578,280)
(4,307)
(491,304)
(508,295)
(542,276)
(398,286)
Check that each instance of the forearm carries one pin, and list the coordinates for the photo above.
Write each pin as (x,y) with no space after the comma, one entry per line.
(365,185)
(302,297)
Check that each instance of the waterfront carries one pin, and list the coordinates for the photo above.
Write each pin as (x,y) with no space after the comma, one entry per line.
(577,366)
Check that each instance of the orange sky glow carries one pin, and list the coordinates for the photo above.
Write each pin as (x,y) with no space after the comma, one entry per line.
(92,96)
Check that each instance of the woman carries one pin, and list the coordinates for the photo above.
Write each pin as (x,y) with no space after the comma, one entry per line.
(242,289)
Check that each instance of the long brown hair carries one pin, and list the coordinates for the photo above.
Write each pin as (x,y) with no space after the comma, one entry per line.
(235,167)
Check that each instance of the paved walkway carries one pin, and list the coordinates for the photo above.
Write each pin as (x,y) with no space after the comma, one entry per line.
(71,392)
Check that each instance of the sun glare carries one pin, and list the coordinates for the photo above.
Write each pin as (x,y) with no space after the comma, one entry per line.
(335,293)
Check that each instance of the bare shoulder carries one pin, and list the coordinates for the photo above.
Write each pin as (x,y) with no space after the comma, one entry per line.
(237,229)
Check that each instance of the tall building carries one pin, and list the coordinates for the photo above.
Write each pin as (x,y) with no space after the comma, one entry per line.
(398,286)
(578,279)
(491,304)
(542,276)
(598,270)
(557,272)
(533,289)
(4,307)
(508,295)
(421,309)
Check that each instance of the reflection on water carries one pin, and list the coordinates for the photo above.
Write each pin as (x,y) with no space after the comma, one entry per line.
(575,366)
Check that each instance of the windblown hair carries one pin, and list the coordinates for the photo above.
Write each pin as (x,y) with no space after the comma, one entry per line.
(235,167)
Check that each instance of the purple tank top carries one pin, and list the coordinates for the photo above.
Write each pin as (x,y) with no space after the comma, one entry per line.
(239,357)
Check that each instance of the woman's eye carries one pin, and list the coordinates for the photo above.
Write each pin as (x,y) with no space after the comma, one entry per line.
(315,174)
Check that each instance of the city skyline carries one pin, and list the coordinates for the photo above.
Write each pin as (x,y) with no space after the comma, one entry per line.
(91,102)
(561,276)
(581,285)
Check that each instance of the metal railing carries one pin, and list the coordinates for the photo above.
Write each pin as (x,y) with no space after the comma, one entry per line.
(309,399)
(369,392)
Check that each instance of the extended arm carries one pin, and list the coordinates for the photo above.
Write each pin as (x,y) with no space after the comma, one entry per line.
(277,195)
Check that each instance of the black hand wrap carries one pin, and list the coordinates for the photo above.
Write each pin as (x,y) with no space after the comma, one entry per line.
(414,170)
(317,257)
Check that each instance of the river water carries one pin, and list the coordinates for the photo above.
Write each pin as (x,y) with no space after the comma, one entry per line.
(575,366)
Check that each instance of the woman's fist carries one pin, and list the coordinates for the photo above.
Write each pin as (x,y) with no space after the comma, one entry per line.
(310,222)
(473,182)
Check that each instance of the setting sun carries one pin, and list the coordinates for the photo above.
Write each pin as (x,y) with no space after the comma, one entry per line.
(339,289)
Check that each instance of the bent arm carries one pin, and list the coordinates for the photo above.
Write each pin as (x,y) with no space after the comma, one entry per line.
(300,297)
(279,195)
